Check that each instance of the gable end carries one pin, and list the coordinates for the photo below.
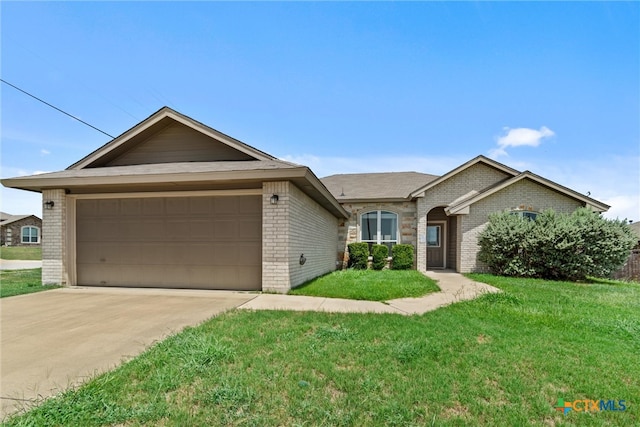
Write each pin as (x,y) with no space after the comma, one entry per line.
(176,143)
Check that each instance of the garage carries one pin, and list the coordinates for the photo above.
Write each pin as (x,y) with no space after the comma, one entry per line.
(195,242)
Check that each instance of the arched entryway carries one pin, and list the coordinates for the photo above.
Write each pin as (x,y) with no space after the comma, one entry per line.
(441,239)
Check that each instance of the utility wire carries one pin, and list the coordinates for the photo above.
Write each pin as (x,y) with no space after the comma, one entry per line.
(56,108)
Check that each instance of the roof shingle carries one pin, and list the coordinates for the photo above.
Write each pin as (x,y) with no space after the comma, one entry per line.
(370,186)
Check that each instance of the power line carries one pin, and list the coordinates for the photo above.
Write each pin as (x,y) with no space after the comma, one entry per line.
(56,108)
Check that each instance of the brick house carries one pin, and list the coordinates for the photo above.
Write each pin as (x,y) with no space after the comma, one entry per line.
(174,203)
(20,230)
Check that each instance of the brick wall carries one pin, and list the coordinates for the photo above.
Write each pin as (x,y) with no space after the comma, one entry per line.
(349,229)
(313,231)
(296,225)
(524,192)
(54,233)
(474,178)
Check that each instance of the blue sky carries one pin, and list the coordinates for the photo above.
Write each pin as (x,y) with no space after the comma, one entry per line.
(341,87)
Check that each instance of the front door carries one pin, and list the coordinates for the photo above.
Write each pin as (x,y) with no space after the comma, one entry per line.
(436,244)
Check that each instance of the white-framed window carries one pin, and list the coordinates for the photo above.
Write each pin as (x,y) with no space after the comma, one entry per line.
(530,215)
(379,227)
(30,234)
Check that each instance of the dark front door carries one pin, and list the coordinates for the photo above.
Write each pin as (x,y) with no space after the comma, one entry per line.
(436,244)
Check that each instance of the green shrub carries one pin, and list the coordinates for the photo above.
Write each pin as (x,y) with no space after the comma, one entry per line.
(380,254)
(555,246)
(358,255)
(402,257)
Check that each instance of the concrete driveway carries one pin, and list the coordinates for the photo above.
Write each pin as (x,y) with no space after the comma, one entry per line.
(59,338)
(6,264)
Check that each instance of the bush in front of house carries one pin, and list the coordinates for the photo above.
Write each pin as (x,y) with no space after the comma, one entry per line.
(402,257)
(555,246)
(380,253)
(358,255)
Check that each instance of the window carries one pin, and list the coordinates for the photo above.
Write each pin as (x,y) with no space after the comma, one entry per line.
(30,234)
(530,215)
(379,227)
(433,236)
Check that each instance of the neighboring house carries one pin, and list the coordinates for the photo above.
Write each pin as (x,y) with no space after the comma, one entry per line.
(20,230)
(174,203)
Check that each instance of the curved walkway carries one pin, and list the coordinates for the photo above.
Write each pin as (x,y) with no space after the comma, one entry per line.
(454,287)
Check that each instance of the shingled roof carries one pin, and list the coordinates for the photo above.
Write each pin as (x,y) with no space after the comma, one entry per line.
(375,186)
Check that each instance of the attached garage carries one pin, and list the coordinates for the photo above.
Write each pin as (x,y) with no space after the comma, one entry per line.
(174,203)
(203,242)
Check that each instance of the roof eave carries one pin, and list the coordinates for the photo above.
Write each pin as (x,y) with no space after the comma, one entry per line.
(375,200)
(316,191)
(463,205)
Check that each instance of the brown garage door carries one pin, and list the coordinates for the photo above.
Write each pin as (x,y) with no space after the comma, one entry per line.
(175,242)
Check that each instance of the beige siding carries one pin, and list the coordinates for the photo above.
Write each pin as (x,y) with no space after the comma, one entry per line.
(178,143)
(296,225)
(349,229)
(525,193)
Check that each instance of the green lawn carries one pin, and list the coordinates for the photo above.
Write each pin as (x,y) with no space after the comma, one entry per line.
(18,282)
(501,360)
(26,253)
(368,285)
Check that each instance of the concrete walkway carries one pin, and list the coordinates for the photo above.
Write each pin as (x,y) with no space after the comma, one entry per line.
(6,264)
(454,288)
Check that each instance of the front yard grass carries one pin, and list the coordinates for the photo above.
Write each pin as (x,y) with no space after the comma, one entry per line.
(24,253)
(503,359)
(18,282)
(369,285)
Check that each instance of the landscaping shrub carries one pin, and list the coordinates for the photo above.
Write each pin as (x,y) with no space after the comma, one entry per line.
(358,255)
(555,246)
(380,254)
(402,257)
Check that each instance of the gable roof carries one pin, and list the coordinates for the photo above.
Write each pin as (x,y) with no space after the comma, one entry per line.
(154,123)
(460,205)
(6,219)
(388,186)
(475,160)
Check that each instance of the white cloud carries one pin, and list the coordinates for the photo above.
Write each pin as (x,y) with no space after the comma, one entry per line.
(44,152)
(519,137)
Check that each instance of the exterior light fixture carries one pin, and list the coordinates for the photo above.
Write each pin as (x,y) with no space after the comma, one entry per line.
(274,199)
(302,259)
(49,204)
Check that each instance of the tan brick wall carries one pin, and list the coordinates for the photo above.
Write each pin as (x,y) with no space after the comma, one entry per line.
(313,231)
(275,238)
(54,240)
(477,177)
(349,229)
(297,225)
(525,192)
